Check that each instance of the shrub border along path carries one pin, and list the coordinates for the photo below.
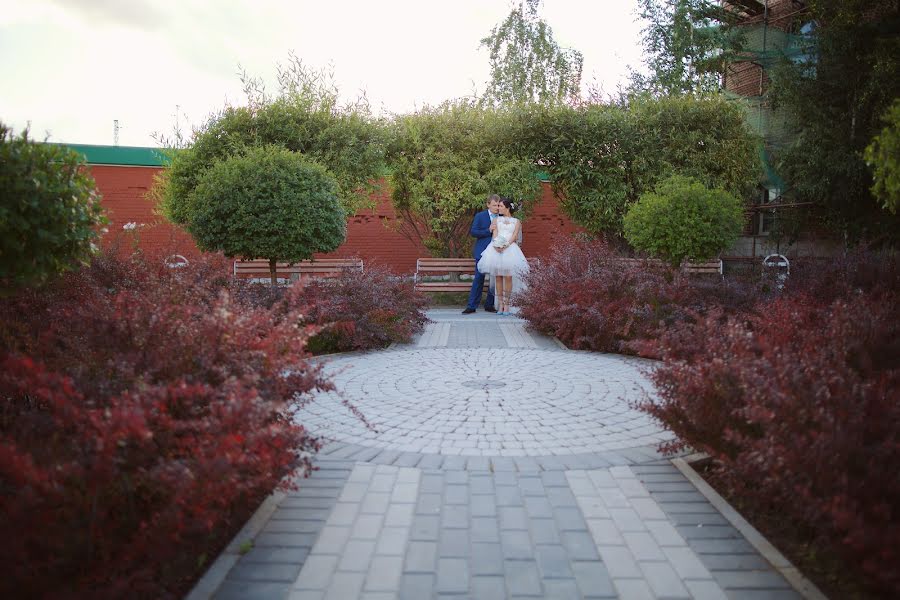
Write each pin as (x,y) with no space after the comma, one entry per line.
(382,523)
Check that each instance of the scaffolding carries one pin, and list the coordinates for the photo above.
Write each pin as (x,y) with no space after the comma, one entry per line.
(768,39)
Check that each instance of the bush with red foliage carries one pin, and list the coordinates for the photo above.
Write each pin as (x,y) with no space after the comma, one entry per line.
(590,300)
(797,404)
(142,409)
(361,311)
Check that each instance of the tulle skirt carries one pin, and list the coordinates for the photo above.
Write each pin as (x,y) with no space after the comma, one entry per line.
(510,262)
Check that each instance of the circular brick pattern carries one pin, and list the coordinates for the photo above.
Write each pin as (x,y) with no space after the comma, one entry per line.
(486,402)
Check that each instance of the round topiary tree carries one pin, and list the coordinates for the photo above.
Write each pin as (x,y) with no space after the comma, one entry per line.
(683,220)
(267,203)
(50,212)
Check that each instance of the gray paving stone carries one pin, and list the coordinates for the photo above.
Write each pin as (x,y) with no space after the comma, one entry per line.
(282,540)
(569,519)
(708,532)
(416,586)
(735,562)
(750,579)
(552,479)
(356,555)
(453,543)
(276,555)
(248,571)
(643,546)
(456,494)
(453,575)
(392,541)
(513,517)
(316,572)
(500,464)
(560,589)
(560,497)
(399,515)
(579,545)
(620,562)
(485,529)
(663,580)
(240,590)
(532,486)
(293,526)
(408,459)
(429,504)
(421,557)
(431,461)
(739,546)
(763,595)
(487,559)
(705,590)
(545,531)
(593,579)
(384,573)
(509,496)
(456,516)
(522,578)
(345,585)
(516,545)
(634,589)
(538,507)
(553,562)
(483,506)
(488,588)
(425,528)
(367,527)
(686,563)
(291,514)
(481,484)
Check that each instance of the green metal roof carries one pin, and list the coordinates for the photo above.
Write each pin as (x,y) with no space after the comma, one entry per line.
(121,155)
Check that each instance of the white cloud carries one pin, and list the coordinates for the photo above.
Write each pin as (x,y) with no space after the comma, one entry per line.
(72,66)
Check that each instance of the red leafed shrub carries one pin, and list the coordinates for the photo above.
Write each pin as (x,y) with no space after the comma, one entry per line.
(360,311)
(142,410)
(798,404)
(590,300)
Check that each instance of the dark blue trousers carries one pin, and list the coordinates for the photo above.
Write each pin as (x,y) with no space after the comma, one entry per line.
(477,289)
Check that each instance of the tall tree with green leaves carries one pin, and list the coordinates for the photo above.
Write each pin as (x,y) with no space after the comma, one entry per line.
(445,162)
(687,44)
(836,98)
(305,116)
(527,65)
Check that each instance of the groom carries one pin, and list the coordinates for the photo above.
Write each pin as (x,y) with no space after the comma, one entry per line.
(481,231)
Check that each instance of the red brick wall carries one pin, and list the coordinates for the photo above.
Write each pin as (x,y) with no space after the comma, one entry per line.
(369,235)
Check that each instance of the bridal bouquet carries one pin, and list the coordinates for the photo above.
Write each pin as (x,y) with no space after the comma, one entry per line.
(499,242)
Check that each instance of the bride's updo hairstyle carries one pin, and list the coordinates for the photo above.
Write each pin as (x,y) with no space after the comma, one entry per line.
(512,206)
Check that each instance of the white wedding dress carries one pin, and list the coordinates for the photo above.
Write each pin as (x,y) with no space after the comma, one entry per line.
(510,262)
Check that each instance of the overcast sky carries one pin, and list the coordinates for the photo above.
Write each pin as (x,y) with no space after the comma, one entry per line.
(71,67)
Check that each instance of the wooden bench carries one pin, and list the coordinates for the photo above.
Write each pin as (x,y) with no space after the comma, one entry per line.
(446,267)
(710,267)
(318,268)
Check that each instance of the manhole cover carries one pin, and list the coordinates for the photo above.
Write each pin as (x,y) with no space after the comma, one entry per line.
(484,384)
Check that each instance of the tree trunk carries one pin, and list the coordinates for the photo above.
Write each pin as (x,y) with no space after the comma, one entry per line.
(272,272)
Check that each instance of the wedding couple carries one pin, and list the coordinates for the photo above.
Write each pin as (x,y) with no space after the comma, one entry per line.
(497,234)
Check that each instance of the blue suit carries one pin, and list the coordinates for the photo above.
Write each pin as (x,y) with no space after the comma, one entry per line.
(480,230)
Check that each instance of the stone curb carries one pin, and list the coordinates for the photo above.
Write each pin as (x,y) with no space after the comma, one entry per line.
(779,562)
(214,576)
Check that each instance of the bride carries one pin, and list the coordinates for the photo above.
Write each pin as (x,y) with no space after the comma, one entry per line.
(503,259)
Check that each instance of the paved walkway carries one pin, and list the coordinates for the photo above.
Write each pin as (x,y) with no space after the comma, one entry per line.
(499,465)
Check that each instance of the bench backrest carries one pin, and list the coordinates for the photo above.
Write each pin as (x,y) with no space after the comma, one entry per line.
(320,266)
(445,265)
